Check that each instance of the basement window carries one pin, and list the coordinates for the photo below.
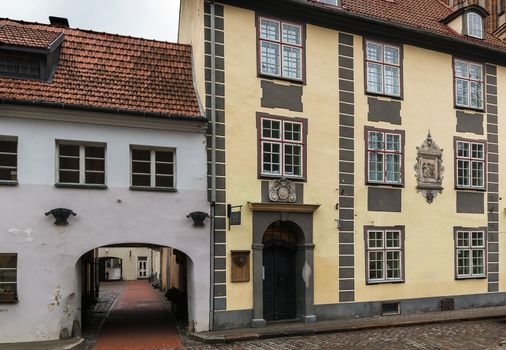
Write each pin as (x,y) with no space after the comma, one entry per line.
(80,164)
(388,309)
(8,160)
(8,277)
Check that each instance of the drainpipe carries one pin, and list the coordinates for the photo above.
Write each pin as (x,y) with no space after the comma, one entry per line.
(213,162)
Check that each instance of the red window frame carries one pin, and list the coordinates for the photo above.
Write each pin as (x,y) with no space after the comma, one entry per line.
(385,152)
(281,45)
(282,142)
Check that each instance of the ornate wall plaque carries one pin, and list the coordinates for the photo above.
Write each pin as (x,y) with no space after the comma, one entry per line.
(282,190)
(429,169)
(240,265)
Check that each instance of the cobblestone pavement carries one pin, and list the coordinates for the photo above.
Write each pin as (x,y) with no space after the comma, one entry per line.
(469,335)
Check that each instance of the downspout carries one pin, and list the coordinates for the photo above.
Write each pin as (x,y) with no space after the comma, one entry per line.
(213,162)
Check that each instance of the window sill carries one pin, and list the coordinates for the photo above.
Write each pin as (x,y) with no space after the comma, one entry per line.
(81,186)
(468,189)
(392,97)
(469,109)
(274,77)
(384,282)
(470,278)
(277,177)
(385,184)
(152,189)
(8,183)
(9,300)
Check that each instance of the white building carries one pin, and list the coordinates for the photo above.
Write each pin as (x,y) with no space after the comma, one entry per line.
(110,128)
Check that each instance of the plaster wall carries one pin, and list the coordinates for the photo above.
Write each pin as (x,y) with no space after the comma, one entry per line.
(429,243)
(48,278)
(244,93)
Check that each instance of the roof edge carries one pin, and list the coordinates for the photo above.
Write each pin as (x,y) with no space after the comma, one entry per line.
(117,111)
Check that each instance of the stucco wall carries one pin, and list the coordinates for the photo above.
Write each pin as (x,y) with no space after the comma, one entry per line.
(49,296)
(130,257)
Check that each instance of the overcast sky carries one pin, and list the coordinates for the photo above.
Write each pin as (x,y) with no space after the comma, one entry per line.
(150,19)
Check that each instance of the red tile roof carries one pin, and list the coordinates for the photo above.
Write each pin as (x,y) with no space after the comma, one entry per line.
(107,71)
(422,15)
(27,37)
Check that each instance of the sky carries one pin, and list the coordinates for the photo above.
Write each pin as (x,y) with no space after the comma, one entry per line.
(149,19)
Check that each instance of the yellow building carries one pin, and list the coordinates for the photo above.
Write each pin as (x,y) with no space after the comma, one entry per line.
(358,141)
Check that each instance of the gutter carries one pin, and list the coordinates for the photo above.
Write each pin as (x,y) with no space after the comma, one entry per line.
(117,111)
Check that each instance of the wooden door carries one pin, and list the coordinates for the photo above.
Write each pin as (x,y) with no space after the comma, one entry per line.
(279,282)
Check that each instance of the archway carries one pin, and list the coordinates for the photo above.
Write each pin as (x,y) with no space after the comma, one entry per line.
(292,235)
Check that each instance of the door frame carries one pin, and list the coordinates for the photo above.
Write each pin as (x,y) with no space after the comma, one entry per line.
(304,262)
(143,259)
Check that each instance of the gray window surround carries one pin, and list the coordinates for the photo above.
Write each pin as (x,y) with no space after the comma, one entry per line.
(485,260)
(485,161)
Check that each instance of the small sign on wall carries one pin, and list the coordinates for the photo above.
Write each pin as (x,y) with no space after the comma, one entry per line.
(234,215)
(240,265)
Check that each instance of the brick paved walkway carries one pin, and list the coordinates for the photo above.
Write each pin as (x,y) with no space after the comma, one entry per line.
(139,320)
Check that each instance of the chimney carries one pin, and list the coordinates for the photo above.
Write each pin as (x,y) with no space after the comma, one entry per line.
(60,22)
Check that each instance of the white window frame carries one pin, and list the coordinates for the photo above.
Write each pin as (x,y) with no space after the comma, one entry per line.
(11,168)
(282,142)
(472,27)
(470,160)
(385,152)
(152,167)
(469,81)
(282,45)
(11,269)
(470,248)
(385,250)
(384,66)
(82,162)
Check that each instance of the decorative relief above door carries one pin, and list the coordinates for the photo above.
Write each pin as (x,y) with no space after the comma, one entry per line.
(283,191)
(429,169)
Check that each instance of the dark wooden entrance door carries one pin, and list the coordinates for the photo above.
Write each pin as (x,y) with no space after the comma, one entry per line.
(279,281)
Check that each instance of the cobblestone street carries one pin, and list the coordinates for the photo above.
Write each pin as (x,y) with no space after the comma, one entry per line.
(464,335)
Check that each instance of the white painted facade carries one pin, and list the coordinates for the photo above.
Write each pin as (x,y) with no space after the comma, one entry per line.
(48,273)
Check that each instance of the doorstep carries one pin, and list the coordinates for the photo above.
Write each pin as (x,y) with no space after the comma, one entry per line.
(69,344)
(274,330)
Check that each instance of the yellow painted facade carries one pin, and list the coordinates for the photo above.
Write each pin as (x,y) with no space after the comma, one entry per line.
(427,104)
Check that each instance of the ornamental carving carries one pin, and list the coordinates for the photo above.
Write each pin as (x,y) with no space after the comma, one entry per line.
(283,191)
(429,169)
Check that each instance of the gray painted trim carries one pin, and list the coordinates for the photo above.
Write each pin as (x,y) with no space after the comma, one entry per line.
(492,174)
(470,202)
(384,199)
(470,122)
(281,96)
(346,283)
(232,319)
(216,85)
(384,111)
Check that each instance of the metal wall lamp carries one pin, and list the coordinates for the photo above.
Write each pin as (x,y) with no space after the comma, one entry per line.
(60,215)
(198,218)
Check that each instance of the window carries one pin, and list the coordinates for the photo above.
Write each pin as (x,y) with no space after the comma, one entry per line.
(470,253)
(8,277)
(470,164)
(282,147)
(281,49)
(19,66)
(468,84)
(81,164)
(152,168)
(383,65)
(385,255)
(384,157)
(474,25)
(8,160)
